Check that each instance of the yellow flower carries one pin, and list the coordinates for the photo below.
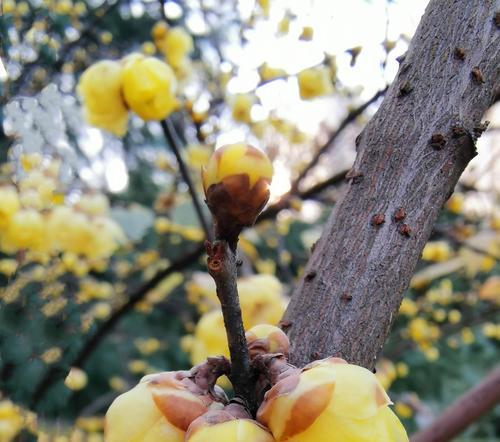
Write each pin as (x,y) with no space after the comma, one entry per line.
(8,266)
(178,44)
(93,204)
(403,410)
(267,72)
(456,203)
(408,307)
(211,427)
(26,230)
(314,82)
(265,338)
(11,420)
(159,30)
(100,87)
(118,384)
(467,336)
(159,408)
(454,316)
(241,107)
(330,394)
(51,355)
(148,48)
(147,346)
(236,183)
(149,87)
(9,204)
(307,33)
(198,155)
(437,251)
(422,331)
(76,379)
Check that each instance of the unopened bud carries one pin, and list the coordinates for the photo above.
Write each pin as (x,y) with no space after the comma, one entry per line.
(265,338)
(236,183)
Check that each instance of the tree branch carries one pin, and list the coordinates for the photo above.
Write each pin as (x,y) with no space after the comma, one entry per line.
(349,118)
(410,157)
(171,136)
(464,411)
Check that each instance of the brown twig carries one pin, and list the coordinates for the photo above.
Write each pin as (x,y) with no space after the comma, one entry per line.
(464,411)
(349,118)
(222,267)
(173,141)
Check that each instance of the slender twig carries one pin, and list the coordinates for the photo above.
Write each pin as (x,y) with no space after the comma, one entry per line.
(464,411)
(349,118)
(286,200)
(54,373)
(222,266)
(173,141)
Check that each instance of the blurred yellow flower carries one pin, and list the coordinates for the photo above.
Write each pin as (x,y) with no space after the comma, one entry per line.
(51,355)
(314,82)
(241,107)
(76,379)
(9,204)
(149,87)
(178,44)
(100,87)
(11,420)
(437,251)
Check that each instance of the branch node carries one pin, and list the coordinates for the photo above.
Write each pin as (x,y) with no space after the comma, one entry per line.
(437,141)
(459,53)
(477,75)
(399,214)
(378,219)
(405,230)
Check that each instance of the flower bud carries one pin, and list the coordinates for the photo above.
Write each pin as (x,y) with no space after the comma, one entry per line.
(236,183)
(76,379)
(330,397)
(160,408)
(265,338)
(224,426)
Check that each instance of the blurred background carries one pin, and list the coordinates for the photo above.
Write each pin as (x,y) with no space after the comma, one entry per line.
(102,274)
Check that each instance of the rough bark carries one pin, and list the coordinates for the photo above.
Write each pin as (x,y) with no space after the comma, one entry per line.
(410,157)
(467,409)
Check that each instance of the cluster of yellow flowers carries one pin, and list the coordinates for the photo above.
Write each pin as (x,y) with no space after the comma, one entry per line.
(33,218)
(109,88)
(302,405)
(261,299)
(13,419)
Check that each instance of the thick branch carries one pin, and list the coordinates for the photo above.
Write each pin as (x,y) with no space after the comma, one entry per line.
(466,410)
(410,157)
(171,136)
(222,266)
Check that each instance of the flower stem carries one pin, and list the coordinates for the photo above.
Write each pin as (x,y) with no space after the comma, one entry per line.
(222,266)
